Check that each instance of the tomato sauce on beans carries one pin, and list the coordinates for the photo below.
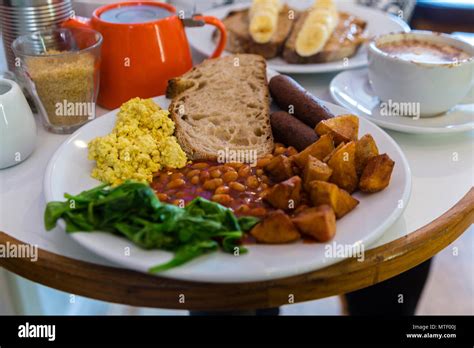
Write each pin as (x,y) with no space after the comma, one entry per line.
(235,185)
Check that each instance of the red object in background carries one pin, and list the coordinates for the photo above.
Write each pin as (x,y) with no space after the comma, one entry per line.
(138,59)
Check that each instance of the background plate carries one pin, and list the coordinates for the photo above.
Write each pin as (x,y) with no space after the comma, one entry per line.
(378,22)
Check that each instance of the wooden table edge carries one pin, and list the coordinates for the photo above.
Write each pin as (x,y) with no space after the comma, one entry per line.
(138,289)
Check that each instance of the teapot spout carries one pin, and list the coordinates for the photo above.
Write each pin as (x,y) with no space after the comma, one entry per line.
(77,22)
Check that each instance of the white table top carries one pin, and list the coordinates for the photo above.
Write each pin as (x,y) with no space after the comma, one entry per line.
(442,168)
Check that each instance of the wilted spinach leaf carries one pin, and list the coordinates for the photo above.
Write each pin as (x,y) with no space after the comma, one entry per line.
(133,211)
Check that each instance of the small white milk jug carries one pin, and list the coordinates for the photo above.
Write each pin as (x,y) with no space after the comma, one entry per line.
(17,125)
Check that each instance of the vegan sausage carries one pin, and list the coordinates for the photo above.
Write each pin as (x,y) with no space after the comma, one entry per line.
(290,131)
(293,98)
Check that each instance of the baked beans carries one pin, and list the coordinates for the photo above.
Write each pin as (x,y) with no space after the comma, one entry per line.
(238,186)
(212,184)
(175,183)
(244,171)
(204,176)
(279,150)
(222,199)
(192,173)
(252,182)
(263,162)
(216,173)
(200,165)
(195,180)
(230,176)
(222,189)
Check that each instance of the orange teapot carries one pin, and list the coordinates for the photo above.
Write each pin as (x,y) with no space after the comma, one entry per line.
(144,46)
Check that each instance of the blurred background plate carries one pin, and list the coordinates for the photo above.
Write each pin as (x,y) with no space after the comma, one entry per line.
(378,22)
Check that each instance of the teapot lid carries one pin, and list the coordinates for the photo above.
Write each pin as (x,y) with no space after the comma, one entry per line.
(134,14)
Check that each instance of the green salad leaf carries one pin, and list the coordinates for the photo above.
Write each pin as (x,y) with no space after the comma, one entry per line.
(133,211)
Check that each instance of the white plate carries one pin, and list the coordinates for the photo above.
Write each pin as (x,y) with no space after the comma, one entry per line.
(378,22)
(69,171)
(353,91)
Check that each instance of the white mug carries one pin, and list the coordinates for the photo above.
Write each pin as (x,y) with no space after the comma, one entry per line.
(17,125)
(433,87)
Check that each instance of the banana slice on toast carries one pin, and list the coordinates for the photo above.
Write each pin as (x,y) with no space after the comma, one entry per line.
(264,19)
(318,27)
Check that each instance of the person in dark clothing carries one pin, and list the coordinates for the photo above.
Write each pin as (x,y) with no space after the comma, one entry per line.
(395,296)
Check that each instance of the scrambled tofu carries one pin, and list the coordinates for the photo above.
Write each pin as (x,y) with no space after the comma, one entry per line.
(140,144)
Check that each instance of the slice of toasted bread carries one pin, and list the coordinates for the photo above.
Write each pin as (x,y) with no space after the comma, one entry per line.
(222,104)
(239,39)
(344,42)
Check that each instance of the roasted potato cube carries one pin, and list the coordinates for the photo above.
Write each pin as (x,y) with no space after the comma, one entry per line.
(344,128)
(366,148)
(320,149)
(322,192)
(279,168)
(285,195)
(328,157)
(319,223)
(376,174)
(300,209)
(326,193)
(344,172)
(315,170)
(276,228)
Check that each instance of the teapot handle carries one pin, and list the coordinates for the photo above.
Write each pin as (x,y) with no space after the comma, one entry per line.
(222,31)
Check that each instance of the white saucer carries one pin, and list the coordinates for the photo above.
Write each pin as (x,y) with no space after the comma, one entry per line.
(352,90)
